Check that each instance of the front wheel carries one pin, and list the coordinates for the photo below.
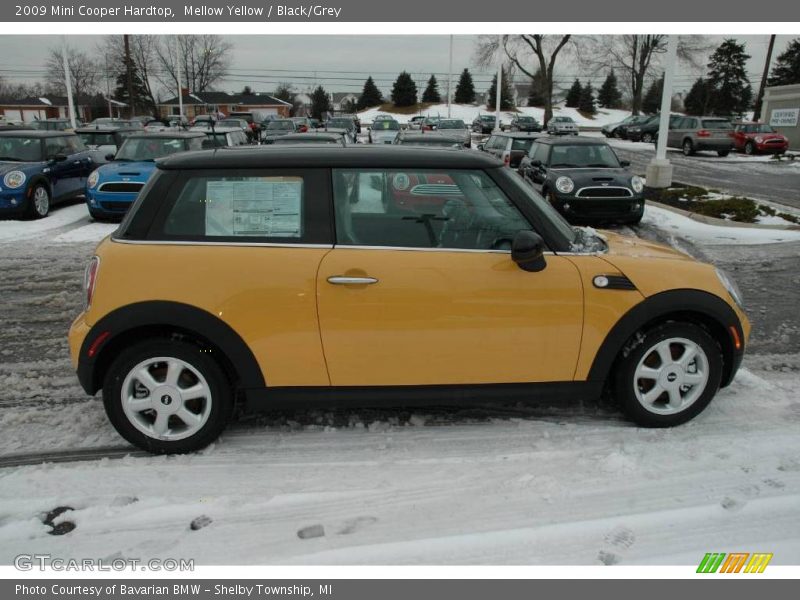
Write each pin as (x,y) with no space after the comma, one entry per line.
(39,202)
(669,376)
(647,138)
(688,148)
(167,396)
(749,148)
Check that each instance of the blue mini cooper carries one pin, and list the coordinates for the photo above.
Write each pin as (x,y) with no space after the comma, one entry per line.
(112,188)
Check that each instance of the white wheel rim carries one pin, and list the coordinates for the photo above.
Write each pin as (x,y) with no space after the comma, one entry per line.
(166,398)
(671,376)
(41,200)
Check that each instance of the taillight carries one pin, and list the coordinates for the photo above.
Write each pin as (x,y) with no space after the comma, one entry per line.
(90,279)
(703,133)
(507,158)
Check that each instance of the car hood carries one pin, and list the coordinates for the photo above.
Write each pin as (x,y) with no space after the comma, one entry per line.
(595,177)
(633,247)
(127,170)
(765,136)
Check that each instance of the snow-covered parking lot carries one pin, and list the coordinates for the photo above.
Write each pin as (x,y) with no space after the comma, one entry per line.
(571,484)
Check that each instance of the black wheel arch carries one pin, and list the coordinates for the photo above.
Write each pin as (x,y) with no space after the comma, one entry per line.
(695,306)
(36,180)
(163,319)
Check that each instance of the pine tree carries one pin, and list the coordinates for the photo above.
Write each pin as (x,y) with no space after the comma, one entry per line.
(465,90)
(370,95)
(727,78)
(506,95)
(536,94)
(697,100)
(609,95)
(247,91)
(651,103)
(574,95)
(431,93)
(139,89)
(320,103)
(404,91)
(586,103)
(787,66)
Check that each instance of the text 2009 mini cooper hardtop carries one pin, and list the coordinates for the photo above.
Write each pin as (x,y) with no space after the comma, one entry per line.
(267,275)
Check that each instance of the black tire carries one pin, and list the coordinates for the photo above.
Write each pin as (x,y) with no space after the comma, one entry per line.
(643,344)
(749,148)
(647,138)
(219,386)
(687,147)
(97,216)
(39,210)
(723,153)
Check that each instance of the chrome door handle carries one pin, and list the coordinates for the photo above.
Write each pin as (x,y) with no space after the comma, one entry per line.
(342,280)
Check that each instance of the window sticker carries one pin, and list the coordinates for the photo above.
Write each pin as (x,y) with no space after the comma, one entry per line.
(254,207)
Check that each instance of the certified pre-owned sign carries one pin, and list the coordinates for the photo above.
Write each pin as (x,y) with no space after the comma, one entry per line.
(784,117)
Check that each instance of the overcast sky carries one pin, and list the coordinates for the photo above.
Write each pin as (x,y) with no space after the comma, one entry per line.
(263,61)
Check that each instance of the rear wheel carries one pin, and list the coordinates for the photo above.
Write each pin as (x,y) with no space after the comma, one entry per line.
(647,138)
(670,376)
(688,147)
(167,396)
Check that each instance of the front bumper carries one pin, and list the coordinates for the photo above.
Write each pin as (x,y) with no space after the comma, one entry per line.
(112,204)
(772,147)
(13,201)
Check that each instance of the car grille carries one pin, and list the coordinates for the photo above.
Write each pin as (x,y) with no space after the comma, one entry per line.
(435,189)
(776,142)
(115,206)
(121,187)
(604,192)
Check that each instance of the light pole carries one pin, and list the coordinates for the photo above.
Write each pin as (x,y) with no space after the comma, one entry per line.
(178,76)
(68,84)
(659,171)
(499,85)
(449,76)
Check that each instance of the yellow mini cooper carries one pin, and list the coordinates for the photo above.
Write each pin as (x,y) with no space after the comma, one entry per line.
(269,276)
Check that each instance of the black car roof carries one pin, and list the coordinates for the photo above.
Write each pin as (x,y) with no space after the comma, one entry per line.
(572,141)
(140,133)
(394,157)
(35,133)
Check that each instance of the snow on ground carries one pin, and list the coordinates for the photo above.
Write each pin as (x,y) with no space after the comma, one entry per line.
(468,112)
(14,229)
(677,225)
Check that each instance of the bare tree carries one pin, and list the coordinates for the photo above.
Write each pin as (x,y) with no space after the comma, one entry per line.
(204,60)
(83,72)
(528,53)
(143,57)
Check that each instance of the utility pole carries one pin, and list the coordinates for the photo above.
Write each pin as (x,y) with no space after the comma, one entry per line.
(68,84)
(450,76)
(499,84)
(178,75)
(129,71)
(108,89)
(659,171)
(760,98)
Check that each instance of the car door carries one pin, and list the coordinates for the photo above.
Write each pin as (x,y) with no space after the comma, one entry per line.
(62,170)
(430,296)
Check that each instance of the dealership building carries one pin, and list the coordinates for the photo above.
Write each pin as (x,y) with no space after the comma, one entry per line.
(782,110)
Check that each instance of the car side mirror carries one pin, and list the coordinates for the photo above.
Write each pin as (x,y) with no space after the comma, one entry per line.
(527,250)
(110,157)
(624,163)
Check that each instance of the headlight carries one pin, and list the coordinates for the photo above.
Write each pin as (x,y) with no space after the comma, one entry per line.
(14,179)
(731,286)
(92,180)
(565,185)
(637,184)
(759,140)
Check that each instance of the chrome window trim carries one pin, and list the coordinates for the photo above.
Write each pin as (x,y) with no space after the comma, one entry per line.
(415,249)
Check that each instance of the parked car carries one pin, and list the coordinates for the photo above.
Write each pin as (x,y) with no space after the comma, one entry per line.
(302,124)
(384,131)
(508,147)
(431,139)
(457,128)
(103,140)
(237,123)
(483,124)
(620,128)
(53,125)
(112,188)
(415,122)
(203,121)
(693,134)
(316,138)
(175,329)
(583,179)
(430,123)
(562,126)
(525,123)
(754,138)
(39,169)
(221,137)
(344,125)
(277,128)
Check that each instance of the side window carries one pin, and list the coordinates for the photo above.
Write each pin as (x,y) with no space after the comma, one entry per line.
(55,146)
(74,144)
(462,209)
(539,152)
(489,144)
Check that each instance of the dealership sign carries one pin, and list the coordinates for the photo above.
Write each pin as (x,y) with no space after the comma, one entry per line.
(784,117)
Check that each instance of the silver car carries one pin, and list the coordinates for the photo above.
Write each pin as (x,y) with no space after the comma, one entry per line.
(562,126)
(384,131)
(456,128)
(691,134)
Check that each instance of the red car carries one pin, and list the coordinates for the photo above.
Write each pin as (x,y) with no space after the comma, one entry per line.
(752,138)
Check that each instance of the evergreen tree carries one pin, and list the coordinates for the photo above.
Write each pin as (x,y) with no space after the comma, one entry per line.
(537,92)
(609,95)
(787,66)
(506,95)
(731,93)
(465,90)
(139,89)
(574,95)
(370,95)
(586,103)
(651,103)
(320,103)
(247,91)
(431,93)
(697,100)
(404,91)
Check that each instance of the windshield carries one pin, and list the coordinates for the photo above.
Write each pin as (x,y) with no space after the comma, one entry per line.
(386,125)
(20,149)
(345,123)
(585,155)
(98,139)
(452,124)
(563,120)
(487,118)
(761,128)
(229,123)
(149,148)
(280,126)
(525,119)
